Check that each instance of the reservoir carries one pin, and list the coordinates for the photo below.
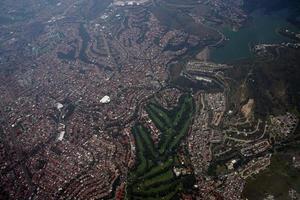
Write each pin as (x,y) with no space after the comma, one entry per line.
(262,28)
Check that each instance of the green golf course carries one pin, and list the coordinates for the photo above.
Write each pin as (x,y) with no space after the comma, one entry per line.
(153,176)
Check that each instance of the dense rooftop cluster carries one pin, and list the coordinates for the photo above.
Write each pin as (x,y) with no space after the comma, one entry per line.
(106,99)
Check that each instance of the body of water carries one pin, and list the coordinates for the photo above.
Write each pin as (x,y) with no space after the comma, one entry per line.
(261,28)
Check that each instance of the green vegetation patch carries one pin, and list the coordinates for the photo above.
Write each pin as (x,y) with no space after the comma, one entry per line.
(173,124)
(277,180)
(153,176)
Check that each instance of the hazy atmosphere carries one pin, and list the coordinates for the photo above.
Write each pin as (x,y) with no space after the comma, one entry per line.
(150,100)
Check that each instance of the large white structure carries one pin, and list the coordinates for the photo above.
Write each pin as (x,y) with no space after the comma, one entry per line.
(59,106)
(61,135)
(105,99)
(129,2)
